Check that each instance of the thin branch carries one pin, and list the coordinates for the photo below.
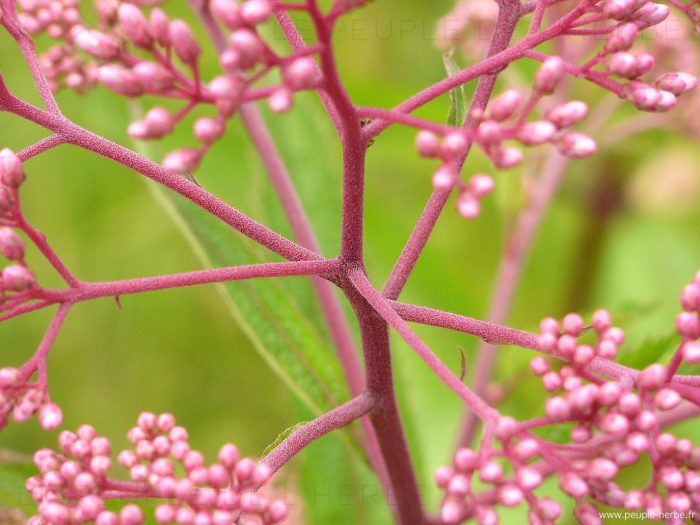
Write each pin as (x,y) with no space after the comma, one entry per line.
(387,312)
(87,291)
(39,147)
(39,240)
(74,134)
(501,335)
(508,16)
(306,434)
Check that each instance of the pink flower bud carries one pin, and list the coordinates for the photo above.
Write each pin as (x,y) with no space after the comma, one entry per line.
(567,114)
(160,121)
(443,475)
(583,355)
(11,173)
(690,298)
(97,44)
(507,157)
(529,478)
(643,96)
(11,244)
(601,320)
(510,495)
(667,101)
(207,130)
(623,64)
(603,469)
(614,424)
(539,365)
(55,512)
(465,460)
(646,420)
(491,472)
(481,184)
(50,416)
(182,161)
(256,11)
(573,485)
(248,45)
(577,146)
(300,74)
(280,100)
(619,9)
(458,485)
(558,409)
(547,342)
(549,75)
(160,27)
(135,25)
(120,80)
(580,434)
(165,513)
(451,511)
(228,12)
(131,515)
(444,177)
(538,132)
(427,144)
(549,325)
(278,511)
(504,105)
(677,83)
(552,381)
(468,205)
(489,133)
(650,14)
(609,393)
(153,77)
(8,377)
(688,325)
(573,324)
(17,278)
(183,42)
(622,38)
(228,455)
(454,143)
(666,399)
(691,352)
(653,377)
(486,516)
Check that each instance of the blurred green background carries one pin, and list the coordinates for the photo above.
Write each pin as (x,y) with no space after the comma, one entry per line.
(182,351)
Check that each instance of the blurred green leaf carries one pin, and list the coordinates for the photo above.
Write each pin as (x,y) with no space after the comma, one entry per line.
(458,96)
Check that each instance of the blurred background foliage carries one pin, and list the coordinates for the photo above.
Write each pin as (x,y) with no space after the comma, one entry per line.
(181,350)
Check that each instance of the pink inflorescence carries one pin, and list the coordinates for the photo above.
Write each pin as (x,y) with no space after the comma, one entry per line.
(132,53)
(615,423)
(74,485)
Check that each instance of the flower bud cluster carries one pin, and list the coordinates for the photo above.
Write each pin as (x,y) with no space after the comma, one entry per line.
(22,400)
(510,475)
(688,322)
(152,70)
(72,486)
(633,16)
(621,418)
(16,277)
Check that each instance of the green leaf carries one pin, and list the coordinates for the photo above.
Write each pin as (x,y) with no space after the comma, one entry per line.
(283,435)
(458,96)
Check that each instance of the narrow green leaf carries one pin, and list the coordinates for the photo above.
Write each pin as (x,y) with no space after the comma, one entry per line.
(458,97)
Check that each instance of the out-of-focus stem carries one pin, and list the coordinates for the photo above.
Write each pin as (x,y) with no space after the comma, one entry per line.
(509,271)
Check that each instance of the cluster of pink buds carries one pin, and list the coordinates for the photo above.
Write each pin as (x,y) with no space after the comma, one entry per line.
(553,128)
(22,399)
(634,16)
(688,322)
(56,18)
(15,279)
(508,488)
(72,487)
(152,71)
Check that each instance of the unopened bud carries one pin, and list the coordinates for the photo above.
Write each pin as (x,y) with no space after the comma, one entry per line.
(11,172)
